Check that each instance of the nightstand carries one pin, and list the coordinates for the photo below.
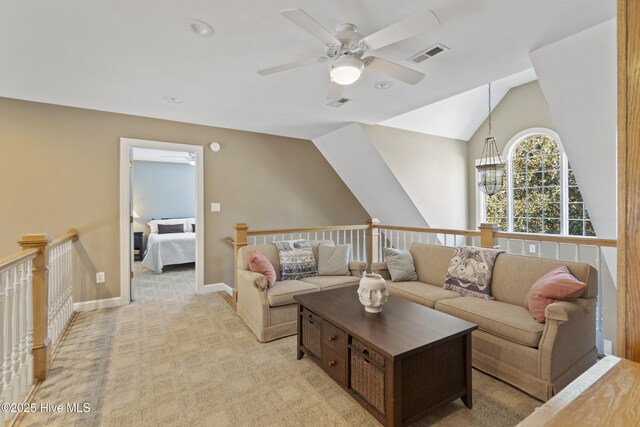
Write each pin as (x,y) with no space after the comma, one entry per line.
(138,246)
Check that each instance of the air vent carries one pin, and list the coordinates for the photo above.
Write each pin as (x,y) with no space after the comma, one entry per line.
(338,103)
(427,53)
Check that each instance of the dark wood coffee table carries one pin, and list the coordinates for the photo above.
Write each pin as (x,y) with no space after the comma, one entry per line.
(399,364)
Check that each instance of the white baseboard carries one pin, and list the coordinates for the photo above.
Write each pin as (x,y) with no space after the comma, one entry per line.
(97,304)
(217,287)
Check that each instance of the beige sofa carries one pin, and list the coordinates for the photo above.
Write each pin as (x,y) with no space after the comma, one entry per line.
(540,359)
(271,313)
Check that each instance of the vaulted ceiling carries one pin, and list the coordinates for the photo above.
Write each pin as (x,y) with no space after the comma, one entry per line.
(127,56)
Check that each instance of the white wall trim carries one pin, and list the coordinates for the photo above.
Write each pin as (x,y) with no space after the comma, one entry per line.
(97,304)
(126,244)
(217,287)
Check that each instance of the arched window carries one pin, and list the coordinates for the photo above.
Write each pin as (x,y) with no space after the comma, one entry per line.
(542,193)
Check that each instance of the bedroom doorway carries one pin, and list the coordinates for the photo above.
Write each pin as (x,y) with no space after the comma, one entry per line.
(163,193)
(161,218)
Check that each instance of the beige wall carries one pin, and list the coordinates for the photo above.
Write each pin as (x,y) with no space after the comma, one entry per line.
(523,107)
(431,169)
(59,169)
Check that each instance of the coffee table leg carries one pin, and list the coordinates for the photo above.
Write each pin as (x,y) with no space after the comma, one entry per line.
(467,399)
(300,353)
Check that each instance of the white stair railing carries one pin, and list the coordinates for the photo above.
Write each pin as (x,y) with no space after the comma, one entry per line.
(60,286)
(16,324)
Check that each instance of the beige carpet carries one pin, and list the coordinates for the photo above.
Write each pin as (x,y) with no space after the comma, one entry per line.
(172,358)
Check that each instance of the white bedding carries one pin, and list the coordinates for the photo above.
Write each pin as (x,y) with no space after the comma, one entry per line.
(167,249)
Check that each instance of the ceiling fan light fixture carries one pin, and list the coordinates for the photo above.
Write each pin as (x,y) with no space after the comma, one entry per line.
(346,70)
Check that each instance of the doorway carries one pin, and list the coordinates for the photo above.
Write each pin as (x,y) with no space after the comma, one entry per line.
(139,231)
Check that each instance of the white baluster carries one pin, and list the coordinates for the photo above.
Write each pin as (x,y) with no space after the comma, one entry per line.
(15,352)
(22,344)
(3,306)
(7,367)
(29,335)
(599,315)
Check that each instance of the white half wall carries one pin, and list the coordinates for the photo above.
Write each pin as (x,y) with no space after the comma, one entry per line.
(578,78)
(356,160)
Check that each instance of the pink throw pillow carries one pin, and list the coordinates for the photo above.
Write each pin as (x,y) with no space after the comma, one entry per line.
(259,263)
(558,284)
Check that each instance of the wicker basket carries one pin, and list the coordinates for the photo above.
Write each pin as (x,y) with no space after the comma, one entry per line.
(311,326)
(367,374)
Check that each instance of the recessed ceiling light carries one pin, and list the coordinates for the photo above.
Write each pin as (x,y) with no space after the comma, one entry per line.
(383,85)
(173,99)
(197,27)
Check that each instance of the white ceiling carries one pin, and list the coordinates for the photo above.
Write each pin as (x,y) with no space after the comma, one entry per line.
(125,56)
(461,115)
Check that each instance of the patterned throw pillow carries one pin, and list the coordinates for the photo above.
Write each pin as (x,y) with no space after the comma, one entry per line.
(470,270)
(296,260)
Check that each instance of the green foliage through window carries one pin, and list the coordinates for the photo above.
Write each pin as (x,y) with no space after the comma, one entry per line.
(537,188)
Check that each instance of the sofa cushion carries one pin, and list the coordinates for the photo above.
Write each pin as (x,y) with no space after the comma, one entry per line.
(431,262)
(297,260)
(400,265)
(508,321)
(331,282)
(470,271)
(420,293)
(282,292)
(513,276)
(259,263)
(333,260)
(558,284)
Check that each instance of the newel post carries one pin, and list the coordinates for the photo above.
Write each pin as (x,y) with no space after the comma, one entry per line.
(373,234)
(40,295)
(487,235)
(239,241)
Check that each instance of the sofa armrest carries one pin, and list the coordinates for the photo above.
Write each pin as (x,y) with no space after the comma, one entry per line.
(568,337)
(256,279)
(381,269)
(357,268)
(564,311)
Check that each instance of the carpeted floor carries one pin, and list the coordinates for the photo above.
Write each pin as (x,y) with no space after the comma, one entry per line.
(172,358)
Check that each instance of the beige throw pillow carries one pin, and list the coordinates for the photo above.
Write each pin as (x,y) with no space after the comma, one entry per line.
(333,260)
(400,265)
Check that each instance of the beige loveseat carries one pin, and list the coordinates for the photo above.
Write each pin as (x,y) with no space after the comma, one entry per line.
(540,359)
(271,313)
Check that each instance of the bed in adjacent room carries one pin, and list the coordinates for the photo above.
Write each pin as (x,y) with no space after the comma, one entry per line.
(170,242)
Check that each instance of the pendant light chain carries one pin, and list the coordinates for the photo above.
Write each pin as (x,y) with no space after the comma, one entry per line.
(489,108)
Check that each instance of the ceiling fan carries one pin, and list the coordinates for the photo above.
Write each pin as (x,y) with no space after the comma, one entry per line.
(348,52)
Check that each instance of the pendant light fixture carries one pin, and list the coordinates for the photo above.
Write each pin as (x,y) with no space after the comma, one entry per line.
(491,169)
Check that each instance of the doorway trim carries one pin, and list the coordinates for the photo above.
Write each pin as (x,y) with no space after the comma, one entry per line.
(126,144)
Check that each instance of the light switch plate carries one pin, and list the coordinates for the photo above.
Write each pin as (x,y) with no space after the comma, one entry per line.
(215,207)
(532,249)
(100,277)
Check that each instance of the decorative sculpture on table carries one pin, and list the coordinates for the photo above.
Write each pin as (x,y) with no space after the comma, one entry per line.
(373,292)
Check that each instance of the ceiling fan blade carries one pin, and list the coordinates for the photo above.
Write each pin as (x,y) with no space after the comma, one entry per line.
(335,91)
(310,25)
(394,70)
(290,65)
(402,30)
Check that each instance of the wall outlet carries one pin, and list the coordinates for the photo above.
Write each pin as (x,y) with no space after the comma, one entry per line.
(215,207)
(532,249)
(100,277)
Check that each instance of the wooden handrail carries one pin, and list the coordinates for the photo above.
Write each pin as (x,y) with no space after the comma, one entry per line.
(428,230)
(554,238)
(17,258)
(72,235)
(230,240)
(307,230)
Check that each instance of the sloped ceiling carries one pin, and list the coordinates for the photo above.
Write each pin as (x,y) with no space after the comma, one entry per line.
(124,56)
